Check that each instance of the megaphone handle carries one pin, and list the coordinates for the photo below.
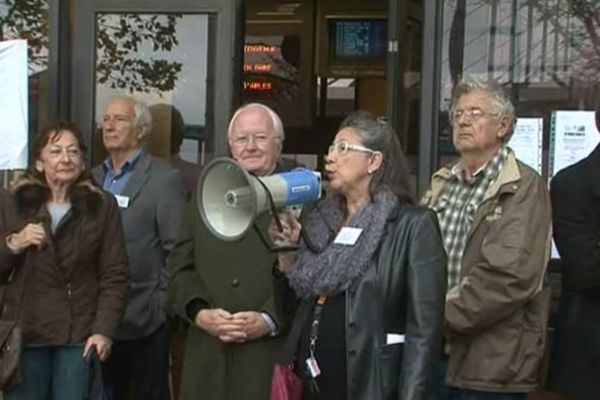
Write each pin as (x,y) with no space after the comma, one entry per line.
(273,249)
(272,204)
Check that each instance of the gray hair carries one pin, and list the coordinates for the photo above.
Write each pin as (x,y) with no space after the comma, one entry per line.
(500,101)
(278,130)
(140,110)
(376,134)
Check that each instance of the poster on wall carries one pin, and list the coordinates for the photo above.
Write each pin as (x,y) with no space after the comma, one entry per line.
(573,136)
(526,142)
(13,104)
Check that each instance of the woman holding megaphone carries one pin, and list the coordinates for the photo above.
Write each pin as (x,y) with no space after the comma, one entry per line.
(366,287)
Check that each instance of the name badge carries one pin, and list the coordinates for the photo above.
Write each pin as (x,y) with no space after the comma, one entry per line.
(122,201)
(313,367)
(394,338)
(348,236)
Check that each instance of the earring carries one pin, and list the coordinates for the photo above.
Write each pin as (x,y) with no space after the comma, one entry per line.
(39,167)
(369,171)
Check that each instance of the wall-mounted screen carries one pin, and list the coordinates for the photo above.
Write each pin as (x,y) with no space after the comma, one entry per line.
(357,41)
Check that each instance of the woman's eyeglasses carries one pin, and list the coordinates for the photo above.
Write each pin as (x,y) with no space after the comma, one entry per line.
(342,148)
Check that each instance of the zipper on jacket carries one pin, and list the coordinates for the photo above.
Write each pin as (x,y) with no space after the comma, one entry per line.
(69,293)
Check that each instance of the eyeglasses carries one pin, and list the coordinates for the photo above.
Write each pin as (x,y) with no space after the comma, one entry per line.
(342,148)
(473,114)
(260,139)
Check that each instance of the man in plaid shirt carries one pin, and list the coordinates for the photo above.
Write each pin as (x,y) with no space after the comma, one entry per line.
(494,215)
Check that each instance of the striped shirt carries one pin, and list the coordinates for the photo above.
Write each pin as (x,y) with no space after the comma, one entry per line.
(456,206)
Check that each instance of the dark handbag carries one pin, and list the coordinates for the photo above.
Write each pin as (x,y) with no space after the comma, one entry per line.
(285,384)
(95,385)
(11,340)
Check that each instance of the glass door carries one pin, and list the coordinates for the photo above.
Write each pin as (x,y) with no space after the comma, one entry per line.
(181,57)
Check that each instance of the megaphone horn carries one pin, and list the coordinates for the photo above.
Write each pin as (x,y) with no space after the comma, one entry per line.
(229,199)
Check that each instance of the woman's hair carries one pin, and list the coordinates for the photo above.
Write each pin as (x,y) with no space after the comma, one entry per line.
(376,134)
(50,134)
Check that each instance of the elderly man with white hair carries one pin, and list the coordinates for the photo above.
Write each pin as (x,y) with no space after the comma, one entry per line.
(494,215)
(150,197)
(225,289)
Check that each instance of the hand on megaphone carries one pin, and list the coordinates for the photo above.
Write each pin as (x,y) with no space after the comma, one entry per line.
(288,235)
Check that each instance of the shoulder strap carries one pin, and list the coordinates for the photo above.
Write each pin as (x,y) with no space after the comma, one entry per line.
(290,347)
(21,282)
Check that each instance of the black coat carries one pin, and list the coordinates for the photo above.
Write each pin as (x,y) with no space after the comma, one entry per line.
(403,294)
(575,194)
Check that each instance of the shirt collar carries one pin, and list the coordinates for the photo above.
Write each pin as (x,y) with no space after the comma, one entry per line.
(488,170)
(107,165)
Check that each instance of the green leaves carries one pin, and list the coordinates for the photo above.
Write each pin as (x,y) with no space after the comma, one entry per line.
(132,51)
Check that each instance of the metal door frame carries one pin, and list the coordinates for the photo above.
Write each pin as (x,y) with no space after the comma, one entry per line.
(226,55)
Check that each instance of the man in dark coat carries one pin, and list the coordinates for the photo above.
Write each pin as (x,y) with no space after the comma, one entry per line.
(575,194)
(225,289)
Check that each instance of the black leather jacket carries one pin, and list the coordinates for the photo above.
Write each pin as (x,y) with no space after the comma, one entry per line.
(404,295)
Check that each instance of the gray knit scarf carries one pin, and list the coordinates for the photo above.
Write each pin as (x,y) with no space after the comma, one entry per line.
(336,266)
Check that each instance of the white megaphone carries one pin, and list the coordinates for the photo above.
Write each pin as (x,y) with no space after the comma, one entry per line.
(229,198)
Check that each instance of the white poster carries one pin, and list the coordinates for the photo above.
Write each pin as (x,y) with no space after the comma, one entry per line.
(573,137)
(526,142)
(13,104)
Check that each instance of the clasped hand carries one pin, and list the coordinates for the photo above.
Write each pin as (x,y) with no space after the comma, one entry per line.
(232,328)
(30,235)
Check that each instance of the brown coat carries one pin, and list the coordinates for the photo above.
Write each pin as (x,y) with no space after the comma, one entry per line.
(496,317)
(76,284)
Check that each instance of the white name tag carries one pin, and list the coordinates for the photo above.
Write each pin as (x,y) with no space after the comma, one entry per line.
(122,201)
(348,236)
(394,338)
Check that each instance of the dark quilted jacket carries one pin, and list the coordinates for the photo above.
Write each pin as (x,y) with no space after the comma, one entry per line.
(76,284)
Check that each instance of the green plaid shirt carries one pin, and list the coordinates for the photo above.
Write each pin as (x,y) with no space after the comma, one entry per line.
(456,206)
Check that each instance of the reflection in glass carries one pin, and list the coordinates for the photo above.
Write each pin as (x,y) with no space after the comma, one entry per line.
(271,68)
(162,60)
(27,20)
(546,53)
(127,45)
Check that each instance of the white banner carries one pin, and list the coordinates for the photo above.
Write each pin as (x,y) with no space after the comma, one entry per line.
(13,104)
